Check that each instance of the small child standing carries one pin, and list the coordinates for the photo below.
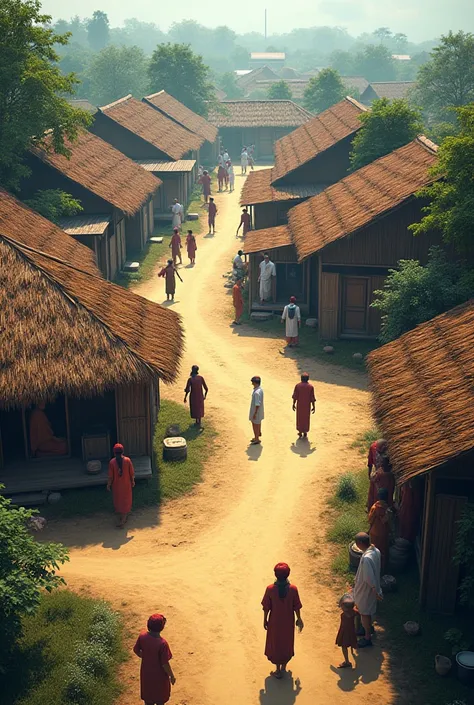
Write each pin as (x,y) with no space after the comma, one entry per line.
(346,636)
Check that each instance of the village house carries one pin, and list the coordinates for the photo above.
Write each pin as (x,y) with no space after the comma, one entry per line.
(258,122)
(273,59)
(248,79)
(392,90)
(29,228)
(148,136)
(89,367)
(338,246)
(423,402)
(116,196)
(182,115)
(354,85)
(309,159)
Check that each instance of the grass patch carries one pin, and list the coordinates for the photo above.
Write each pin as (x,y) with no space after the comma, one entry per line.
(58,661)
(170,481)
(311,346)
(364,440)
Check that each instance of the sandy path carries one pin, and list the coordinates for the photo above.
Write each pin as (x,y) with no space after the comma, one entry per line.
(207,558)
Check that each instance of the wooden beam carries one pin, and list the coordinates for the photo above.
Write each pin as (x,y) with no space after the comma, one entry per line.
(428,514)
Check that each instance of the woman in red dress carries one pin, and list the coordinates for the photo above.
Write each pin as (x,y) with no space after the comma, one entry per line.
(196,387)
(346,637)
(280,604)
(121,480)
(175,244)
(191,246)
(156,676)
(383,478)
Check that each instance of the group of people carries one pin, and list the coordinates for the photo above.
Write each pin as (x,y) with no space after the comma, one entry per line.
(247,158)
(225,172)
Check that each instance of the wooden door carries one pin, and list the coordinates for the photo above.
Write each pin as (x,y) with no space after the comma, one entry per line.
(354,305)
(133,419)
(443,573)
(329,306)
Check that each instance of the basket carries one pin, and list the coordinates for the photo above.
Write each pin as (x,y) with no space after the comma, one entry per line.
(412,628)
(442,665)
(93,467)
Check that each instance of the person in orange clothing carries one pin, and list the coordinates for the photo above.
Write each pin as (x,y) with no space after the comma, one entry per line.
(175,245)
(382,478)
(238,301)
(191,246)
(377,452)
(245,223)
(156,675)
(211,217)
(379,531)
(43,442)
(121,481)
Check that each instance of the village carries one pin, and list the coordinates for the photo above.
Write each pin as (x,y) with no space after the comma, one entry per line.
(292,241)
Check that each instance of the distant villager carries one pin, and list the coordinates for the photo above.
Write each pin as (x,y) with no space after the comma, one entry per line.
(175,245)
(169,273)
(291,317)
(43,442)
(191,246)
(178,214)
(304,403)
(197,389)
(121,481)
(244,222)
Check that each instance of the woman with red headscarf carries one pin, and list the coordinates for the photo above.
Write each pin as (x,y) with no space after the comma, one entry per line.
(280,604)
(121,480)
(156,676)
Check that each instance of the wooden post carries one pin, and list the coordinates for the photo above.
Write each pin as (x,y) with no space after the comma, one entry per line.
(427,534)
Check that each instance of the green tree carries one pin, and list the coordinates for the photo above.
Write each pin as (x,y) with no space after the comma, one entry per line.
(183,74)
(27,567)
(324,90)
(117,71)
(388,126)
(414,294)
(228,83)
(446,81)
(451,206)
(32,88)
(383,34)
(279,90)
(342,62)
(375,63)
(400,42)
(54,204)
(98,30)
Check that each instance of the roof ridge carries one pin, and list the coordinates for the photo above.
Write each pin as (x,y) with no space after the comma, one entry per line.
(378,83)
(115,102)
(427,143)
(357,104)
(152,95)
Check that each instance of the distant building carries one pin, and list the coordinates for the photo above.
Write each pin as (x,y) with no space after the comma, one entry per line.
(401,57)
(386,89)
(274,59)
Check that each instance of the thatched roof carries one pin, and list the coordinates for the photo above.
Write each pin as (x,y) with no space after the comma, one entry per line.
(101,169)
(423,392)
(258,113)
(362,197)
(258,188)
(267,239)
(30,228)
(317,136)
(392,90)
(66,331)
(153,127)
(172,108)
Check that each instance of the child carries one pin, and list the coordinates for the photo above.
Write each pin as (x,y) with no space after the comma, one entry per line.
(346,636)
(230,171)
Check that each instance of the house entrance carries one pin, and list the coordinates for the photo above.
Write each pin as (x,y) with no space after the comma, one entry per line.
(355,305)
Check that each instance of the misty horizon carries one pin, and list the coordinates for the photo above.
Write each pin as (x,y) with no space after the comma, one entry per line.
(420,20)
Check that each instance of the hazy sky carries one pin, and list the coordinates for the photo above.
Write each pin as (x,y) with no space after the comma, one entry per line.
(420,19)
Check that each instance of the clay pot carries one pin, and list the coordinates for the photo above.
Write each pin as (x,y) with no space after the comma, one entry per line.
(442,665)
(412,628)
(328,349)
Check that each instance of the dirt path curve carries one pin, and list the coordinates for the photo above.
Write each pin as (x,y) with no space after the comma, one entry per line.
(207,558)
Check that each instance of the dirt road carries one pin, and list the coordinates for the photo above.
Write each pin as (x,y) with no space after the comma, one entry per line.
(206,560)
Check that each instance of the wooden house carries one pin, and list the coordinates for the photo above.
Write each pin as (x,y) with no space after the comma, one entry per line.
(423,402)
(347,238)
(392,90)
(248,80)
(354,85)
(182,115)
(29,228)
(94,354)
(258,122)
(146,135)
(109,186)
(308,160)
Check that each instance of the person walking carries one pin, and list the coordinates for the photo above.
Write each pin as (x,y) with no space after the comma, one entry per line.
(205,181)
(367,590)
(256,414)
(121,481)
(244,161)
(231,174)
(197,389)
(191,246)
(156,675)
(281,602)
(250,152)
(237,301)
(178,214)
(169,273)
(291,317)
(244,223)
(267,272)
(175,245)
(212,216)
(304,403)
(346,636)
(221,174)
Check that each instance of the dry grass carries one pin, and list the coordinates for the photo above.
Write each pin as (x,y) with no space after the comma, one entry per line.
(259,113)
(65,331)
(423,392)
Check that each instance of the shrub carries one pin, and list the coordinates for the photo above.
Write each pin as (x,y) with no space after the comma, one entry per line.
(93,658)
(345,528)
(78,685)
(346,488)
(99,634)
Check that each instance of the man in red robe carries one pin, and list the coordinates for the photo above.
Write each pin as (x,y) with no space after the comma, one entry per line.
(43,442)
(244,223)
(212,216)
(175,244)
(304,403)
(205,180)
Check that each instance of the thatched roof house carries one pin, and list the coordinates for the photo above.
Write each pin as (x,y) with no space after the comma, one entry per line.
(258,122)
(29,228)
(94,352)
(423,401)
(393,90)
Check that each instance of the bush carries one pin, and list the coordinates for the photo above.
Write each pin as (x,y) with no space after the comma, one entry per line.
(93,658)
(78,685)
(345,527)
(346,488)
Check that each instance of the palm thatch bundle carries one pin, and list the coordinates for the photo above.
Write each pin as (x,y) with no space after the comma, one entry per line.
(63,330)
(423,392)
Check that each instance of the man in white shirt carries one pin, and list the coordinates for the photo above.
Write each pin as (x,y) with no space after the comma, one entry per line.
(267,271)
(178,214)
(367,590)
(238,265)
(226,157)
(256,414)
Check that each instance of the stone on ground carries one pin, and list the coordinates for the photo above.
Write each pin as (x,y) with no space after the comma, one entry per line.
(261,316)
(328,349)
(312,322)
(156,239)
(131,266)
